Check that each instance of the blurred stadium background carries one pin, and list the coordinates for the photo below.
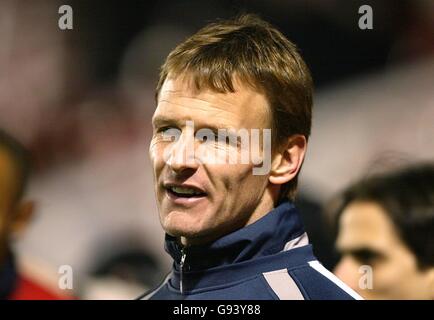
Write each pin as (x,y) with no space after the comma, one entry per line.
(81,100)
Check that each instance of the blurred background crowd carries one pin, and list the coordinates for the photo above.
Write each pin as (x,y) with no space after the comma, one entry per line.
(81,102)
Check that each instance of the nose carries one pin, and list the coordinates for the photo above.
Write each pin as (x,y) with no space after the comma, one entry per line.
(182,155)
(347,271)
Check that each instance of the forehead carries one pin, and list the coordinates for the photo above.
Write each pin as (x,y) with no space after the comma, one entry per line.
(179,100)
(366,225)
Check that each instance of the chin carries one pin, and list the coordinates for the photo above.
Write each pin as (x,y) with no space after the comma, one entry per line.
(179,224)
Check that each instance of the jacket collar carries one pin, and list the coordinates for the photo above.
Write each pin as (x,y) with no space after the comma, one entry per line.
(265,237)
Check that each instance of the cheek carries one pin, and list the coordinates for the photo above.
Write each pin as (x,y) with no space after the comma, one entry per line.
(240,181)
(391,275)
(385,275)
(156,151)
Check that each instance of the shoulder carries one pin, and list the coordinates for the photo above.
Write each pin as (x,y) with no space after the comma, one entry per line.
(310,281)
(317,283)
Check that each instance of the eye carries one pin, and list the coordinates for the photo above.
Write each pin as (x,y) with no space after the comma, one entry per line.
(169,133)
(367,257)
(228,139)
(206,135)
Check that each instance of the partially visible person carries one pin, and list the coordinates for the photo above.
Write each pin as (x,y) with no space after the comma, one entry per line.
(386,222)
(15,213)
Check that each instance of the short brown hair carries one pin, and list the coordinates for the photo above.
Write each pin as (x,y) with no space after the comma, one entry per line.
(257,53)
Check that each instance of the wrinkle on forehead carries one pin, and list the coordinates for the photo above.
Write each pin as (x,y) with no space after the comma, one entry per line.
(243,106)
(189,105)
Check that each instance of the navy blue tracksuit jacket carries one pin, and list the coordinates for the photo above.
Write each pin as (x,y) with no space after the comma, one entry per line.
(269,259)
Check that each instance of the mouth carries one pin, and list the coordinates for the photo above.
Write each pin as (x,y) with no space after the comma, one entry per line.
(183,194)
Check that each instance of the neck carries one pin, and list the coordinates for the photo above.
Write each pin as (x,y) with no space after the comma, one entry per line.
(264,237)
(265,205)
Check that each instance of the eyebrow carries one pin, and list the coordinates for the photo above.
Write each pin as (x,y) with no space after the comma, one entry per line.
(161,120)
(362,252)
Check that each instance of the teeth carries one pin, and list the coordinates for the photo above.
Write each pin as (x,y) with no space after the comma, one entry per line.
(186,191)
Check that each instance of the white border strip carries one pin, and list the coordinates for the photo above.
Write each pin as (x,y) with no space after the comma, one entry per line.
(300,241)
(326,273)
(283,285)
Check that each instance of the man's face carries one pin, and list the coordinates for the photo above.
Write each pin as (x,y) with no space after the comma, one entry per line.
(228,195)
(367,237)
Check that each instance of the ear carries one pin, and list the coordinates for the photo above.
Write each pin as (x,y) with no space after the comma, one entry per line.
(288,160)
(21,217)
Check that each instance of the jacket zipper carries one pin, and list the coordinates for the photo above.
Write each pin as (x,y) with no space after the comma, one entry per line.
(181,265)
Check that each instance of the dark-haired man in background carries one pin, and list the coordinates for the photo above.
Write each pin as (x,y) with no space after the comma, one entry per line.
(386,222)
(231,227)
